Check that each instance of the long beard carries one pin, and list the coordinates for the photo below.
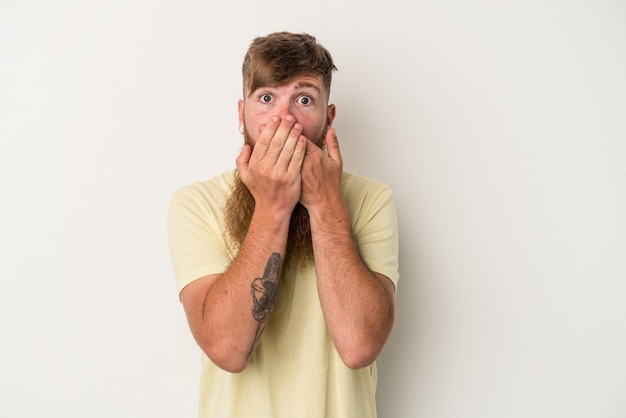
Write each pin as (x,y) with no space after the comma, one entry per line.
(238,210)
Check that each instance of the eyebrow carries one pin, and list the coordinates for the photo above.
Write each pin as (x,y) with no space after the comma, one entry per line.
(306,84)
(299,86)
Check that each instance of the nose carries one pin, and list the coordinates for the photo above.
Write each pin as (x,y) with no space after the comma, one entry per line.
(283,108)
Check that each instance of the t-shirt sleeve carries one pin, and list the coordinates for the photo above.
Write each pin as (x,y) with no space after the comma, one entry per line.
(376,230)
(195,235)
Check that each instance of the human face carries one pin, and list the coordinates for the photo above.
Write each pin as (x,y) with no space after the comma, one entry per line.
(305,98)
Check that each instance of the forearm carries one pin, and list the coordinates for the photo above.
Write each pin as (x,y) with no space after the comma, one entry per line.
(230,313)
(358,305)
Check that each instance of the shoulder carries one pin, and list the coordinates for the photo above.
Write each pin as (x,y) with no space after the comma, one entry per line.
(210,190)
(201,199)
(361,187)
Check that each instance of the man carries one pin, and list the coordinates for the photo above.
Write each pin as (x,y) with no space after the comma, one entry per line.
(287,265)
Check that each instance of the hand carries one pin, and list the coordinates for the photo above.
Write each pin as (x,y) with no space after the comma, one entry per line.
(271,170)
(321,172)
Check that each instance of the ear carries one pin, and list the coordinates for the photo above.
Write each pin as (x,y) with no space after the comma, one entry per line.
(240,106)
(330,115)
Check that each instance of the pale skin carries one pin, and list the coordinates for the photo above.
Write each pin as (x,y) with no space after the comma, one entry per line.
(283,168)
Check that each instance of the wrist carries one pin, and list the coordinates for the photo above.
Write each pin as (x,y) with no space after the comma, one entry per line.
(330,216)
(273,219)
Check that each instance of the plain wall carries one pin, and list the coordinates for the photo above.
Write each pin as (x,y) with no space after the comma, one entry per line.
(499,125)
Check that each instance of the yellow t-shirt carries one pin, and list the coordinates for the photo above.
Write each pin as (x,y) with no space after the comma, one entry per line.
(295,370)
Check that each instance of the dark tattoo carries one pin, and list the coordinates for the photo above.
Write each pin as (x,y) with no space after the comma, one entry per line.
(263,291)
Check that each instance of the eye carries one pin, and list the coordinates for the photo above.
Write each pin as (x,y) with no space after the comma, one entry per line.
(266,98)
(304,100)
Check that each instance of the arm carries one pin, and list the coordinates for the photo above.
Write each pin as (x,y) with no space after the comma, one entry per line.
(358,304)
(228,312)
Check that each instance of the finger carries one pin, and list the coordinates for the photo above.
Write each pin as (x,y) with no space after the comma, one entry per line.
(332,145)
(243,159)
(263,142)
(312,148)
(289,148)
(279,139)
(295,164)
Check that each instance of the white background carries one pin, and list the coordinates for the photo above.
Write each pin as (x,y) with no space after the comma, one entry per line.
(499,125)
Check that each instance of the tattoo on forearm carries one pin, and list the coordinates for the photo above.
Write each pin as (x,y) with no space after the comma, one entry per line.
(263,291)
